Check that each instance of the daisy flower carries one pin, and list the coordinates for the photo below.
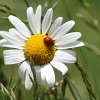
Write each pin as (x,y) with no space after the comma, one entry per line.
(46,46)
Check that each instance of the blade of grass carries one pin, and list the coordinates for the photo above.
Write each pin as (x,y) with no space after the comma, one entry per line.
(5,6)
(96,87)
(92,48)
(26,2)
(72,88)
(67,10)
(78,65)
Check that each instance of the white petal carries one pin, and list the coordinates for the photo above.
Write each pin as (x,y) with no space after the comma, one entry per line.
(63,29)
(49,74)
(12,39)
(43,77)
(71,45)
(13,56)
(47,21)
(19,25)
(64,56)
(28,82)
(17,36)
(73,53)
(28,77)
(38,19)
(32,20)
(22,69)
(5,43)
(38,73)
(12,52)
(68,38)
(55,25)
(60,66)
(14,32)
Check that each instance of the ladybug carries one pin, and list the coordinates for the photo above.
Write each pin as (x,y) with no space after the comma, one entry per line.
(48,41)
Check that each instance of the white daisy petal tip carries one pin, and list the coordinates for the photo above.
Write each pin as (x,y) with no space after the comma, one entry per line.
(47,20)
(39,6)
(82,44)
(51,84)
(60,18)
(59,66)
(72,22)
(79,33)
(29,9)
(50,9)
(20,26)
(28,86)
(65,71)
(11,17)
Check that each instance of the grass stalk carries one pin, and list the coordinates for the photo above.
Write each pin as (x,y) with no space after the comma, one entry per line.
(85,79)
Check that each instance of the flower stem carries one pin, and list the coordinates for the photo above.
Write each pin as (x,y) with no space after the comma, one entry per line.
(19,92)
(35,83)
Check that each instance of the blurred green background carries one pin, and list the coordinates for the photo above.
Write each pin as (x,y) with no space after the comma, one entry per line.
(86,14)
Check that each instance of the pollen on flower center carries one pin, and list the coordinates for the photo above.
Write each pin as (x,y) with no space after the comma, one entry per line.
(36,49)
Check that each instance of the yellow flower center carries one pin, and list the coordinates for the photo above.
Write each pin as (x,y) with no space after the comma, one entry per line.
(36,50)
